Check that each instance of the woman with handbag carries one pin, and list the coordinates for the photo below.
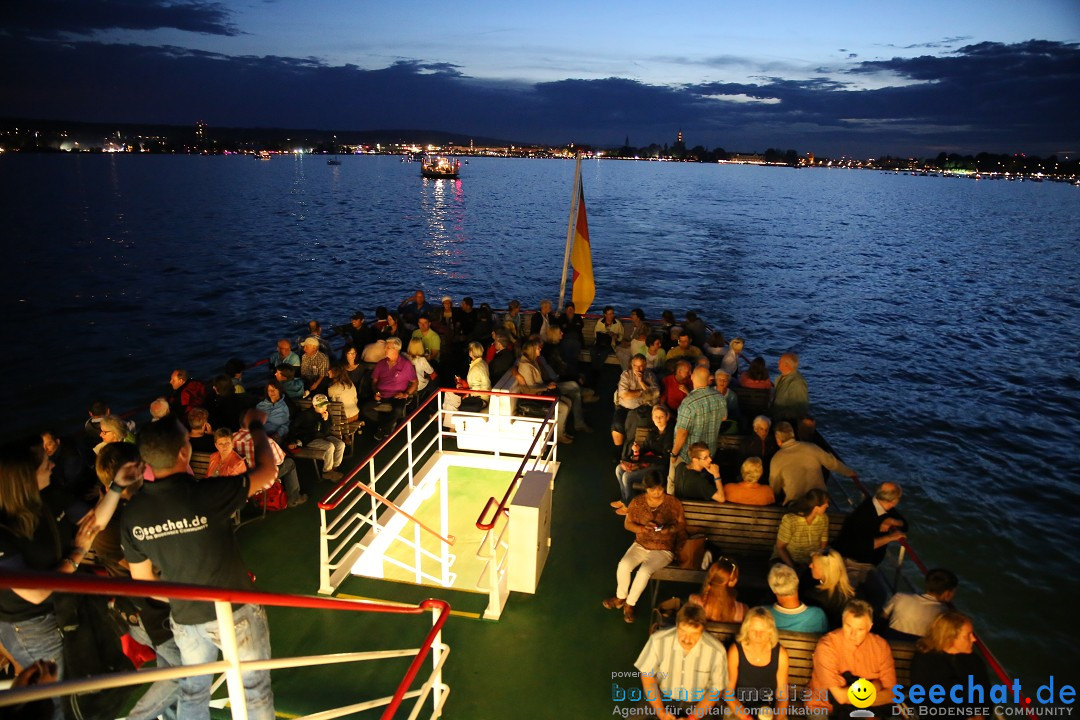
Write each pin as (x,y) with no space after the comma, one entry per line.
(638,457)
(529,380)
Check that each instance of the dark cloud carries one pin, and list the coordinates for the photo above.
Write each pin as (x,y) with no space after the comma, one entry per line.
(987,96)
(54,18)
(936,45)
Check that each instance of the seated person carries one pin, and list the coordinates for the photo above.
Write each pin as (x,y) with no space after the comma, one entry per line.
(225,461)
(430,339)
(696,327)
(722,383)
(573,327)
(608,336)
(945,657)
(313,364)
(542,320)
(313,428)
(700,478)
(760,443)
(512,321)
(277,411)
(655,355)
(683,351)
(718,595)
(292,386)
(804,530)
(225,405)
(789,612)
(637,389)
(638,329)
(553,366)
(638,458)
(478,379)
(412,307)
(730,363)
(756,376)
(529,380)
(283,356)
(847,654)
(714,348)
(418,357)
(201,434)
(656,519)
(749,491)
(757,668)
(831,590)
(910,615)
(700,668)
(504,357)
(677,385)
(393,381)
(343,390)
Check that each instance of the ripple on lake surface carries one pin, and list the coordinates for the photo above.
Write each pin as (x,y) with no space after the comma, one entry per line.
(937,319)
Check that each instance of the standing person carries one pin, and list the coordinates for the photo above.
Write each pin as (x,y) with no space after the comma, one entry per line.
(205,553)
(35,536)
(757,667)
(699,419)
(656,519)
(791,398)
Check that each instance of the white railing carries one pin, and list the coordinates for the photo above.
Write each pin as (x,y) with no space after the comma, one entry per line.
(230,665)
(357,513)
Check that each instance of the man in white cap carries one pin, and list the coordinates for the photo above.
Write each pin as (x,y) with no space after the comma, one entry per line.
(313,428)
(313,364)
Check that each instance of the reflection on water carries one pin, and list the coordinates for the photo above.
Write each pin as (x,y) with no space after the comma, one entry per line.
(936,319)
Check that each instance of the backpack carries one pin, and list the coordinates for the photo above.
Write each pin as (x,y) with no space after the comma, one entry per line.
(91,639)
(272,499)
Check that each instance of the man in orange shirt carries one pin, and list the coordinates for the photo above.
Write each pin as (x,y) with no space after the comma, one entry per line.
(847,654)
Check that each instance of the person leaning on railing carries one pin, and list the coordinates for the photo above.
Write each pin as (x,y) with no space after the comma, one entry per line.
(184,530)
(31,538)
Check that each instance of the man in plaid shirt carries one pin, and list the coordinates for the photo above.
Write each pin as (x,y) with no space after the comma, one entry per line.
(245,448)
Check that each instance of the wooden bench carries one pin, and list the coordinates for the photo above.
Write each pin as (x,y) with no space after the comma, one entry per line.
(744,533)
(200,463)
(341,428)
(801,646)
(752,402)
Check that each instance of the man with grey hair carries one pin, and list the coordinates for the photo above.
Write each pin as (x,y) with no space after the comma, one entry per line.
(846,655)
(314,364)
(791,398)
(393,381)
(796,466)
(872,526)
(789,612)
(159,408)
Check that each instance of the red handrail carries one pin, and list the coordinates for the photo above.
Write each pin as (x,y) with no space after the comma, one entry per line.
(991,660)
(93,585)
(337,494)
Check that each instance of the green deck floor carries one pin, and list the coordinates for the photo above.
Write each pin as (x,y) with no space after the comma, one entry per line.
(551,655)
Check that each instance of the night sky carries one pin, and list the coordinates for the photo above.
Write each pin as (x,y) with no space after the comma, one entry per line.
(860,78)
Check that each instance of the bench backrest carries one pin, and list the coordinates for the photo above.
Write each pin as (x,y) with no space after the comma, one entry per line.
(801,646)
(743,530)
(200,463)
(753,401)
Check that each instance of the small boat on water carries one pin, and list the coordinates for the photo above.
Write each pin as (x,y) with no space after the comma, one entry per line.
(333,161)
(439,167)
(263,155)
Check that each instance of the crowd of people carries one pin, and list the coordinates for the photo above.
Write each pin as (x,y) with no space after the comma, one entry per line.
(91,497)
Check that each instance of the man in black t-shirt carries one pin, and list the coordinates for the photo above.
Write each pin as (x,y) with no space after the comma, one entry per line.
(183,529)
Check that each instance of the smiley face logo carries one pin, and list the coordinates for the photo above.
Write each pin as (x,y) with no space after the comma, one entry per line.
(861,693)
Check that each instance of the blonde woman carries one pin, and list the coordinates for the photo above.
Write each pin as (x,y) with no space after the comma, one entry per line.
(750,491)
(944,656)
(757,667)
(730,363)
(424,372)
(832,590)
(476,379)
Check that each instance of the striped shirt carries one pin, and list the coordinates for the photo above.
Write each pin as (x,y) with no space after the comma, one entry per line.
(689,676)
(802,538)
(245,448)
(700,414)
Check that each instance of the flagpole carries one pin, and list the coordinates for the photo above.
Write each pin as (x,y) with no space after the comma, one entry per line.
(574,200)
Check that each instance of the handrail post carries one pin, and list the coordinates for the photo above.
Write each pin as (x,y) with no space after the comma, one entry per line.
(374,507)
(230,654)
(494,608)
(444,521)
(409,453)
(436,656)
(439,425)
(324,555)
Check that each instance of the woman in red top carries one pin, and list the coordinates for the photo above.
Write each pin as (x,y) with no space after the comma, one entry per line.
(756,376)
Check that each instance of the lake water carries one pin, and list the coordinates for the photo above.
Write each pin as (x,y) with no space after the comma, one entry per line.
(936,319)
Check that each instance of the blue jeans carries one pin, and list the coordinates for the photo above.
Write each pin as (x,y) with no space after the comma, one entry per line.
(627,478)
(36,639)
(161,698)
(200,644)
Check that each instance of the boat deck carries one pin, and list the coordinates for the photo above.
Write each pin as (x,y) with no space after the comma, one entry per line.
(550,655)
